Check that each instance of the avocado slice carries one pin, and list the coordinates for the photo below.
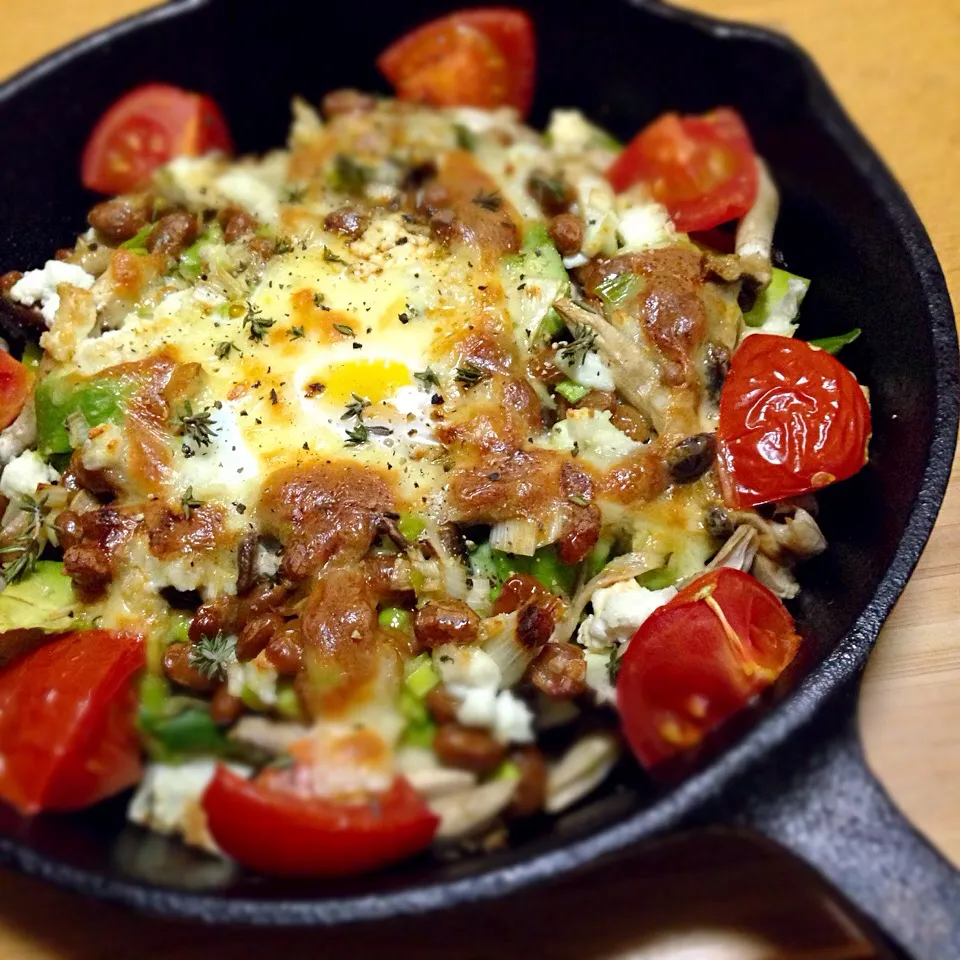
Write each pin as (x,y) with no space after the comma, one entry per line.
(40,603)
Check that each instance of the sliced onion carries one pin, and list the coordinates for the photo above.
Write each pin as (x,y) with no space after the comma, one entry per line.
(498,638)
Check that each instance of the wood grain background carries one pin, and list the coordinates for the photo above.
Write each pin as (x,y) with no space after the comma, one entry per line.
(895,66)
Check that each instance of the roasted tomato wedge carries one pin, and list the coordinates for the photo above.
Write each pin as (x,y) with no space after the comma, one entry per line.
(271,830)
(792,419)
(474,58)
(702,169)
(698,660)
(144,129)
(15,383)
(67,734)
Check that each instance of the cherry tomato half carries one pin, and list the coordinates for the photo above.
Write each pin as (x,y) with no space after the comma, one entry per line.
(698,660)
(277,832)
(67,732)
(16,381)
(474,58)
(145,129)
(702,169)
(792,419)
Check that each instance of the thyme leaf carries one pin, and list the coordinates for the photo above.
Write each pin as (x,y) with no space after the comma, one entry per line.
(359,434)
(489,201)
(212,655)
(427,378)
(189,502)
(468,374)
(355,408)
(584,340)
(198,426)
(257,322)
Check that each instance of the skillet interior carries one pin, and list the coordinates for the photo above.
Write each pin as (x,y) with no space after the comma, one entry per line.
(844,223)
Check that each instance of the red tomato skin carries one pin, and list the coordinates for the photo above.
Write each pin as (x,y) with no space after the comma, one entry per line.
(145,128)
(466,80)
(67,732)
(16,381)
(702,169)
(282,834)
(792,419)
(682,675)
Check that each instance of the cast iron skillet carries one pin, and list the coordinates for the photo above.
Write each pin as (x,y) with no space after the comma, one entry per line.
(792,767)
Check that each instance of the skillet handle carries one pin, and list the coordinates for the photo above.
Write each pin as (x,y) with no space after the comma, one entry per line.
(821,802)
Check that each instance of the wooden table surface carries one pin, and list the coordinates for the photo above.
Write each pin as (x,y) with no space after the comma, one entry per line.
(895,68)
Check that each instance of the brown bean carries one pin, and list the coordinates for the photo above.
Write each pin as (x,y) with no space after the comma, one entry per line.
(247,562)
(468,748)
(560,671)
(263,247)
(631,421)
(339,102)
(531,789)
(256,634)
(172,233)
(179,669)
(566,231)
(224,706)
(212,617)
(117,220)
(285,653)
(347,222)
(443,226)
(692,457)
(9,279)
(442,704)
(542,366)
(598,400)
(237,224)
(580,532)
(445,621)
(534,625)
(554,195)
(264,595)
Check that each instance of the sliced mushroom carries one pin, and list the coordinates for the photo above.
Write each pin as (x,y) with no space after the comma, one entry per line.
(775,577)
(633,371)
(738,552)
(581,770)
(468,812)
(754,242)
(432,783)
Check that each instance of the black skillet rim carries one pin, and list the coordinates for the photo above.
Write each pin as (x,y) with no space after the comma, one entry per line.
(796,711)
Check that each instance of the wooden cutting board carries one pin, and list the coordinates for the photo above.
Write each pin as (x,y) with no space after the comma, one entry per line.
(896,68)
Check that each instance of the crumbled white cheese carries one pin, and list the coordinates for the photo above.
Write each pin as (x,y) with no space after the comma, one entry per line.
(21,434)
(40,286)
(591,371)
(645,225)
(618,611)
(484,121)
(256,677)
(168,799)
(249,191)
(466,667)
(597,203)
(24,474)
(598,676)
(504,714)
(592,434)
(570,133)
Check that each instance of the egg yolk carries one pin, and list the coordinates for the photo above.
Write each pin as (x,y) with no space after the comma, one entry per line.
(375,380)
